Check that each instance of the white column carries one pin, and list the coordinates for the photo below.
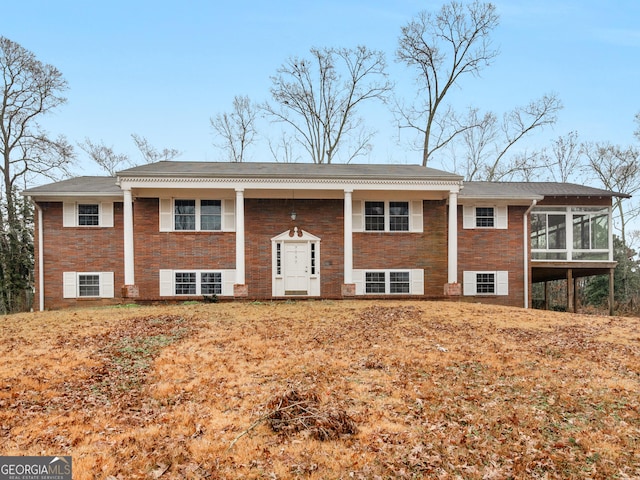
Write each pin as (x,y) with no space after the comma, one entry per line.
(129,278)
(453,238)
(40,257)
(348,237)
(240,266)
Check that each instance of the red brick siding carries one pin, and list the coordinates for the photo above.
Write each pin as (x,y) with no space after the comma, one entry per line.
(101,249)
(495,250)
(267,218)
(156,250)
(401,250)
(78,249)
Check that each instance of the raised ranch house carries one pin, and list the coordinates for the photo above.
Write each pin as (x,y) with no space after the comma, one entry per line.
(173,231)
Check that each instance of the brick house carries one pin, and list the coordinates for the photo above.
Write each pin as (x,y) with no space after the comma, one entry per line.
(173,231)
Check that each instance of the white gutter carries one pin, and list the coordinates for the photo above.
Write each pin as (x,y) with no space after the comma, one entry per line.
(527,241)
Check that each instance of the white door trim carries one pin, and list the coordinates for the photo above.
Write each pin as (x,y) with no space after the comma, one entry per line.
(286,282)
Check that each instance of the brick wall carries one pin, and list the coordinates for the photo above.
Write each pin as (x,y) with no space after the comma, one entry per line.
(495,250)
(266,218)
(101,249)
(156,250)
(401,250)
(78,249)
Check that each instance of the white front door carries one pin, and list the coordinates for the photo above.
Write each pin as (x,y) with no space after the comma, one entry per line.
(296,268)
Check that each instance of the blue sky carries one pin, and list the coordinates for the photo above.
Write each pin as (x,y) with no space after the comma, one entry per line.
(161,69)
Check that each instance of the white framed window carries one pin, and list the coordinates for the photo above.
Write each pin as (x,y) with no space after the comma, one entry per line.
(485,216)
(87,214)
(387,216)
(486,283)
(88,285)
(389,281)
(571,233)
(196,282)
(197,215)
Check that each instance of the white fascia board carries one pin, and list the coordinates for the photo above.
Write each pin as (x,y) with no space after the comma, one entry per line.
(288,184)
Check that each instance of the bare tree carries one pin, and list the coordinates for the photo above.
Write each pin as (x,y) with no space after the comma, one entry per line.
(487,141)
(637,132)
(283,151)
(151,154)
(442,47)
(319,98)
(30,90)
(237,129)
(478,144)
(618,169)
(105,157)
(565,161)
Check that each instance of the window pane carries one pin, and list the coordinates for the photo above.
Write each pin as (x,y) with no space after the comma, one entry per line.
(538,230)
(88,215)
(600,231)
(211,283)
(581,232)
(89,285)
(557,231)
(313,258)
(210,215)
(484,217)
(485,283)
(375,282)
(399,216)
(278,259)
(185,214)
(185,283)
(374,216)
(399,282)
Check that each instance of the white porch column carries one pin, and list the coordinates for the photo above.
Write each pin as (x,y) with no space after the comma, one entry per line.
(129,262)
(348,237)
(240,265)
(452,254)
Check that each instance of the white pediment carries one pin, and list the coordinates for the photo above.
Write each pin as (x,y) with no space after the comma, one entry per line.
(295,234)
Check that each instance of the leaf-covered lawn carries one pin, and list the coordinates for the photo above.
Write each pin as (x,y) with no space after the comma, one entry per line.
(362,389)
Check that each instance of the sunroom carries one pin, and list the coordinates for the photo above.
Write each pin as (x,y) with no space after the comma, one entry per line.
(570,242)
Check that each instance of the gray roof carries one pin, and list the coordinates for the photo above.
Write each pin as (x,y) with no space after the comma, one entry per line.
(107,186)
(532,190)
(80,186)
(287,170)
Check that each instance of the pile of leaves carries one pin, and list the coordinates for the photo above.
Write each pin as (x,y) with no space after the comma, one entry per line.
(301,411)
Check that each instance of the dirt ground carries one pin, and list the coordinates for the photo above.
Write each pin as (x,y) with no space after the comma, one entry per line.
(323,390)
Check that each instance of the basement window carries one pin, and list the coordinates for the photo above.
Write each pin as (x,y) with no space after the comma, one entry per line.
(486,283)
(88,285)
(383,282)
(198,283)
